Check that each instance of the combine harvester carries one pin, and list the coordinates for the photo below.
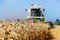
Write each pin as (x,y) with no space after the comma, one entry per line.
(36,13)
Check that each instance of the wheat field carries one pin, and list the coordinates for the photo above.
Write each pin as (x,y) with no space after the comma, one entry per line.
(14,30)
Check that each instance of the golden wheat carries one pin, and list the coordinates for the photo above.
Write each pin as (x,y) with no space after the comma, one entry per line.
(13,30)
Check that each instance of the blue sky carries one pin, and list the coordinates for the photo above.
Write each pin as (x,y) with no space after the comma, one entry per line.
(13,9)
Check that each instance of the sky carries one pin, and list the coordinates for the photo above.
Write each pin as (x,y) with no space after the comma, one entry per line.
(14,9)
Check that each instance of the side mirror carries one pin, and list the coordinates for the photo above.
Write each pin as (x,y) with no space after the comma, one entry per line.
(32,4)
(43,9)
(25,9)
(39,4)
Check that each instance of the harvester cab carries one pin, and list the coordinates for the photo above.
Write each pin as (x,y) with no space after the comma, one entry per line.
(36,13)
